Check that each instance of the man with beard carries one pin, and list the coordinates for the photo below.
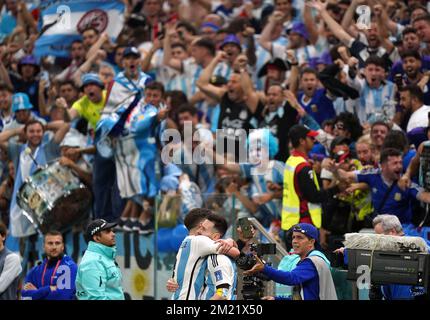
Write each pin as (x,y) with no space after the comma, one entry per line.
(54,277)
(387,196)
(77,54)
(279,117)
(27,158)
(413,75)
(358,49)
(316,102)
(378,132)
(410,42)
(412,100)
(236,109)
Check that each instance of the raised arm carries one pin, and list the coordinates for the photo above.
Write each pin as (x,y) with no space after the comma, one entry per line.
(86,66)
(265,40)
(168,59)
(203,81)
(335,27)
(347,21)
(104,37)
(4,75)
(146,62)
(60,128)
(252,98)
(310,25)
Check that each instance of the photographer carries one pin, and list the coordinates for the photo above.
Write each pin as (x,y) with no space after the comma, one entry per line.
(311,278)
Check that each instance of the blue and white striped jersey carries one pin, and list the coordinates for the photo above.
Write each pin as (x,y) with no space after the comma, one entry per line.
(373,102)
(221,271)
(191,265)
(135,153)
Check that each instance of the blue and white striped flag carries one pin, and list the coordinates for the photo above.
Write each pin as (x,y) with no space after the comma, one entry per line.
(62,22)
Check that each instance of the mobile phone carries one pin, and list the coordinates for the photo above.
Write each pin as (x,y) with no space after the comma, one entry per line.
(246,228)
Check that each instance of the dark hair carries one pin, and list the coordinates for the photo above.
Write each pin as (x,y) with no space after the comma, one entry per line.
(31,122)
(389,152)
(90,28)
(238,25)
(379,123)
(408,30)
(155,85)
(187,108)
(414,91)
(308,70)
(5,87)
(206,43)
(377,61)
(410,53)
(338,141)
(417,6)
(351,124)
(220,223)
(68,82)
(179,45)
(195,216)
(188,26)
(396,139)
(54,233)
(424,17)
(76,41)
(3,229)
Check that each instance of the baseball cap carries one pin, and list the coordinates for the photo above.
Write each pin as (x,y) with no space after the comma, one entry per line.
(96,226)
(299,131)
(131,51)
(21,101)
(91,78)
(310,231)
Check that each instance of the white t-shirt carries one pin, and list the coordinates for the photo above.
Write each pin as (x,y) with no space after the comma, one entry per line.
(419,118)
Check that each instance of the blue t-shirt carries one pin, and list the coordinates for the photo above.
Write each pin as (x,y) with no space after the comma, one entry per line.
(398,201)
(320,107)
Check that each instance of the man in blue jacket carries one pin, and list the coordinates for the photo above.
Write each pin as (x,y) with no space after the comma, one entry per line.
(99,277)
(311,277)
(54,278)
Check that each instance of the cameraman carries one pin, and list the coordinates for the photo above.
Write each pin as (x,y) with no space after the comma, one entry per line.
(311,278)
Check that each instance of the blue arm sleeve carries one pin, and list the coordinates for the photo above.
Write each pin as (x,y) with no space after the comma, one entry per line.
(32,277)
(36,294)
(302,273)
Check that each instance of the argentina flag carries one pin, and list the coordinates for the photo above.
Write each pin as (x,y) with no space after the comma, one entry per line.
(61,22)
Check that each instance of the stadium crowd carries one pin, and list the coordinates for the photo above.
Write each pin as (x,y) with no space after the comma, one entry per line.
(334,104)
